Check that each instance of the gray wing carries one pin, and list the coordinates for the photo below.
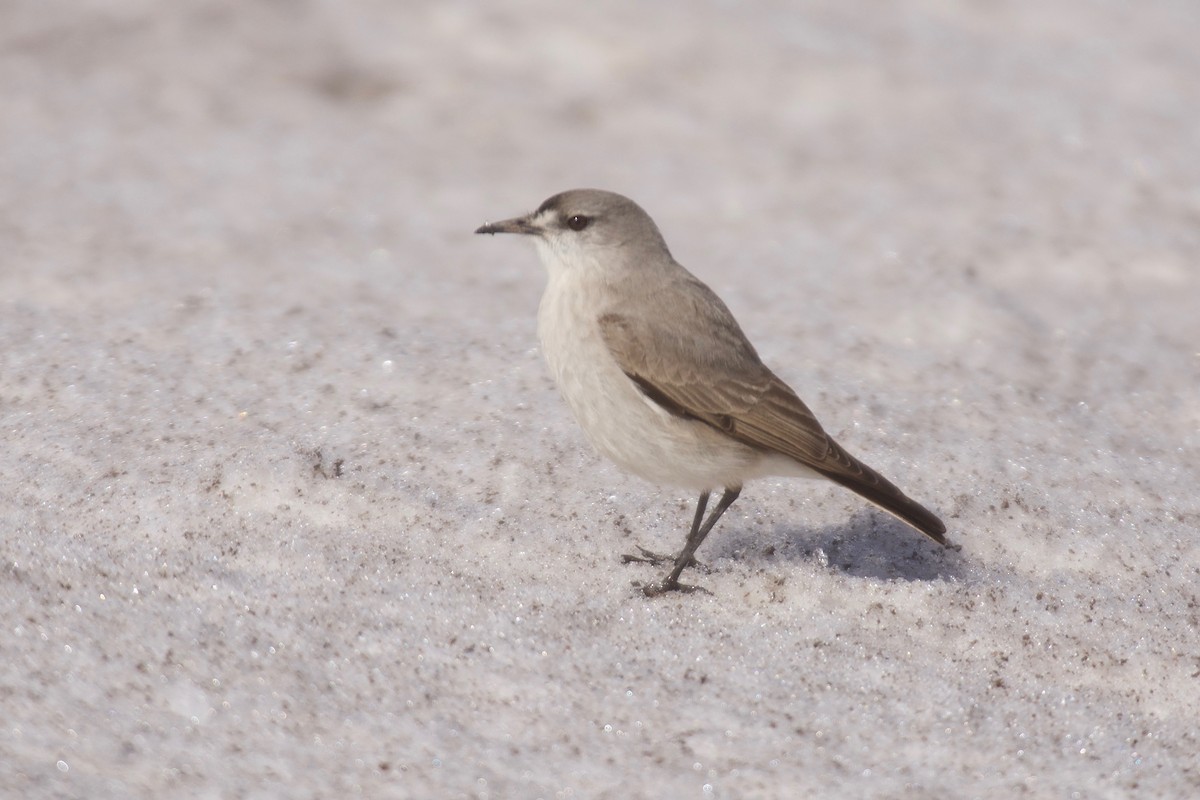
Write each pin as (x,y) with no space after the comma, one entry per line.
(720,380)
(701,366)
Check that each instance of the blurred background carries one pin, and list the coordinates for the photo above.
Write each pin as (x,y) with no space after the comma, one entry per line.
(290,499)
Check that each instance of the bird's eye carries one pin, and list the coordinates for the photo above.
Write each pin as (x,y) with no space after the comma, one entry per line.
(578,222)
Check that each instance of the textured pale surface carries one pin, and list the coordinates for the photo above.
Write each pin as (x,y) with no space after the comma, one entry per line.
(290,508)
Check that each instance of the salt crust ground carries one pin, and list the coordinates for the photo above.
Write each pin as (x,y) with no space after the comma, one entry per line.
(290,508)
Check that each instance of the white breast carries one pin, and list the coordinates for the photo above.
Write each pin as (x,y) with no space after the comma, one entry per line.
(617,418)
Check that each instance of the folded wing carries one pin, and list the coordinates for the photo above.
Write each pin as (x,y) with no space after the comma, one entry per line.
(723,383)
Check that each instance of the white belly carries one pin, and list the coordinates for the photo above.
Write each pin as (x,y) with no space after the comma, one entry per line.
(626,426)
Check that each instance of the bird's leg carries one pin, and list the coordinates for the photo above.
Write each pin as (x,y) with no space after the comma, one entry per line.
(695,538)
(649,557)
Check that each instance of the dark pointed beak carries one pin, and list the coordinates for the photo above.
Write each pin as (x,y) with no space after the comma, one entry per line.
(515,225)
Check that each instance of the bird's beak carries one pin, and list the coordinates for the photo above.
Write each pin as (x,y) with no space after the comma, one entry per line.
(514,225)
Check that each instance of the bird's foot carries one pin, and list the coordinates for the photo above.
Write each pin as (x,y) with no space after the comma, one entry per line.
(667,585)
(658,559)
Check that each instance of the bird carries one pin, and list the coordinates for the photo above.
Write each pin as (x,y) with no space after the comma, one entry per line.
(661,378)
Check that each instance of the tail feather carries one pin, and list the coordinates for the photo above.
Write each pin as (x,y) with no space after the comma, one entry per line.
(869,484)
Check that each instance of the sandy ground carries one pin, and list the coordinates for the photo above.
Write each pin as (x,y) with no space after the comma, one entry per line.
(291,507)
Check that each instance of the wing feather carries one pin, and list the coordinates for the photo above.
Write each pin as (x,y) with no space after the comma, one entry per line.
(723,383)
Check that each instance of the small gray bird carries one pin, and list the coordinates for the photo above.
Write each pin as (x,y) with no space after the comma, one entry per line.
(662,379)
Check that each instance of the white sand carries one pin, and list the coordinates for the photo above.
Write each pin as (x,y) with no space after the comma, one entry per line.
(291,508)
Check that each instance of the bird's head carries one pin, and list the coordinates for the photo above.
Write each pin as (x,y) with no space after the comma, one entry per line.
(582,226)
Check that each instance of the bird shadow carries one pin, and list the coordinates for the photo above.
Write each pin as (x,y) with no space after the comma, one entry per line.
(870,545)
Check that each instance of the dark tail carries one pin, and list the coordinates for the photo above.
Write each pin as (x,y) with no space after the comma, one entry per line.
(867,483)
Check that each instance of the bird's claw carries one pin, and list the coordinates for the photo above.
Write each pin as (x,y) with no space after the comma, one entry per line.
(658,559)
(662,587)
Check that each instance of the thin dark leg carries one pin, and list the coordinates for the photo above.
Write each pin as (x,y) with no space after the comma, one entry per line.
(694,540)
(649,557)
(701,504)
(698,533)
